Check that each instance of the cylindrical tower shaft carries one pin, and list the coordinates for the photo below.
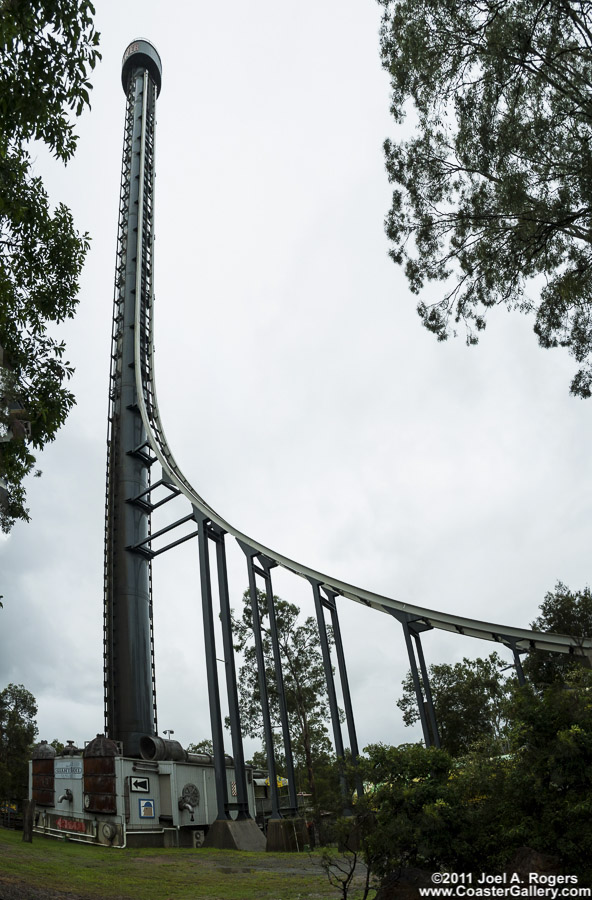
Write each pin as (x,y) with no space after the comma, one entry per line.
(130,700)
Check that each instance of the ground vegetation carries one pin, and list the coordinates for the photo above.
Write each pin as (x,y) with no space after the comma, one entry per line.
(64,870)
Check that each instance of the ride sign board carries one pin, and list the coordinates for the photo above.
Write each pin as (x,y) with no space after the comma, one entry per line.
(68,768)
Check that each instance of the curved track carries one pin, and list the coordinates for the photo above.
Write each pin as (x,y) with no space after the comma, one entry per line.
(520,639)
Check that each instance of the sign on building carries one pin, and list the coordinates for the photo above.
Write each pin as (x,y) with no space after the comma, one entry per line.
(146,809)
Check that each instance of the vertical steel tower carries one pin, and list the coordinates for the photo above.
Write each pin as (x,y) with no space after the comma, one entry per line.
(130,697)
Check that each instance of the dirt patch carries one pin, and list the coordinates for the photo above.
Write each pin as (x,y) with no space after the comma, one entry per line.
(158,860)
(18,890)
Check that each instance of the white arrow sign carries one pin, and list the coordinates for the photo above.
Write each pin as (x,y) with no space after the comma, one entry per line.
(140,784)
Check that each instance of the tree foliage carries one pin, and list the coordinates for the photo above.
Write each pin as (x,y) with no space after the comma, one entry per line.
(493,191)
(474,813)
(203,746)
(304,681)
(18,730)
(469,700)
(407,789)
(563,612)
(47,48)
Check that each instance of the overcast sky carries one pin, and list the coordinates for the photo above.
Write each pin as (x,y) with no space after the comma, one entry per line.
(298,390)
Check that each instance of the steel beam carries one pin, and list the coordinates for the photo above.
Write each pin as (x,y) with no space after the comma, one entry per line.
(331,693)
(267,565)
(211,669)
(427,689)
(331,604)
(231,682)
(417,684)
(517,662)
(267,729)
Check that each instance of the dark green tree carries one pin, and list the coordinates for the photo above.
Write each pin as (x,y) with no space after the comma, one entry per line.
(563,612)
(469,701)
(550,780)
(414,825)
(304,682)
(258,760)
(474,813)
(493,190)
(18,730)
(47,49)
(203,746)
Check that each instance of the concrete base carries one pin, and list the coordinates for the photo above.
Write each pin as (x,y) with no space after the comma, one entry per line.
(286,835)
(228,834)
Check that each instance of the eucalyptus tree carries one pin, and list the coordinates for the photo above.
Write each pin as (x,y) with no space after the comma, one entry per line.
(303,676)
(470,701)
(492,174)
(47,50)
(563,611)
(18,730)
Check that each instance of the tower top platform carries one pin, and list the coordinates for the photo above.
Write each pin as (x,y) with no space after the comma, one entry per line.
(141,53)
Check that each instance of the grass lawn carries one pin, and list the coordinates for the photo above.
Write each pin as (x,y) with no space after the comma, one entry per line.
(153,874)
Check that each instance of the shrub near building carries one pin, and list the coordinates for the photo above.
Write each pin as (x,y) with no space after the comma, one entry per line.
(473,813)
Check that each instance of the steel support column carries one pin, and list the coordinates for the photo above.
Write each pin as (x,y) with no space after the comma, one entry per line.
(412,626)
(517,663)
(330,681)
(427,689)
(267,565)
(212,671)
(267,730)
(233,707)
(331,604)
(416,684)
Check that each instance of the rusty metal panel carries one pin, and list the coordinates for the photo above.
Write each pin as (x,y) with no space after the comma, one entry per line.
(43,797)
(101,803)
(99,784)
(99,765)
(43,781)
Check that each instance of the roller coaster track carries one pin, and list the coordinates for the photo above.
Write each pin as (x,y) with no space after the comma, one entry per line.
(519,639)
(136,440)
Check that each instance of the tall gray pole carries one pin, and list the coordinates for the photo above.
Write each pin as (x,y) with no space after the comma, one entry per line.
(130,702)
